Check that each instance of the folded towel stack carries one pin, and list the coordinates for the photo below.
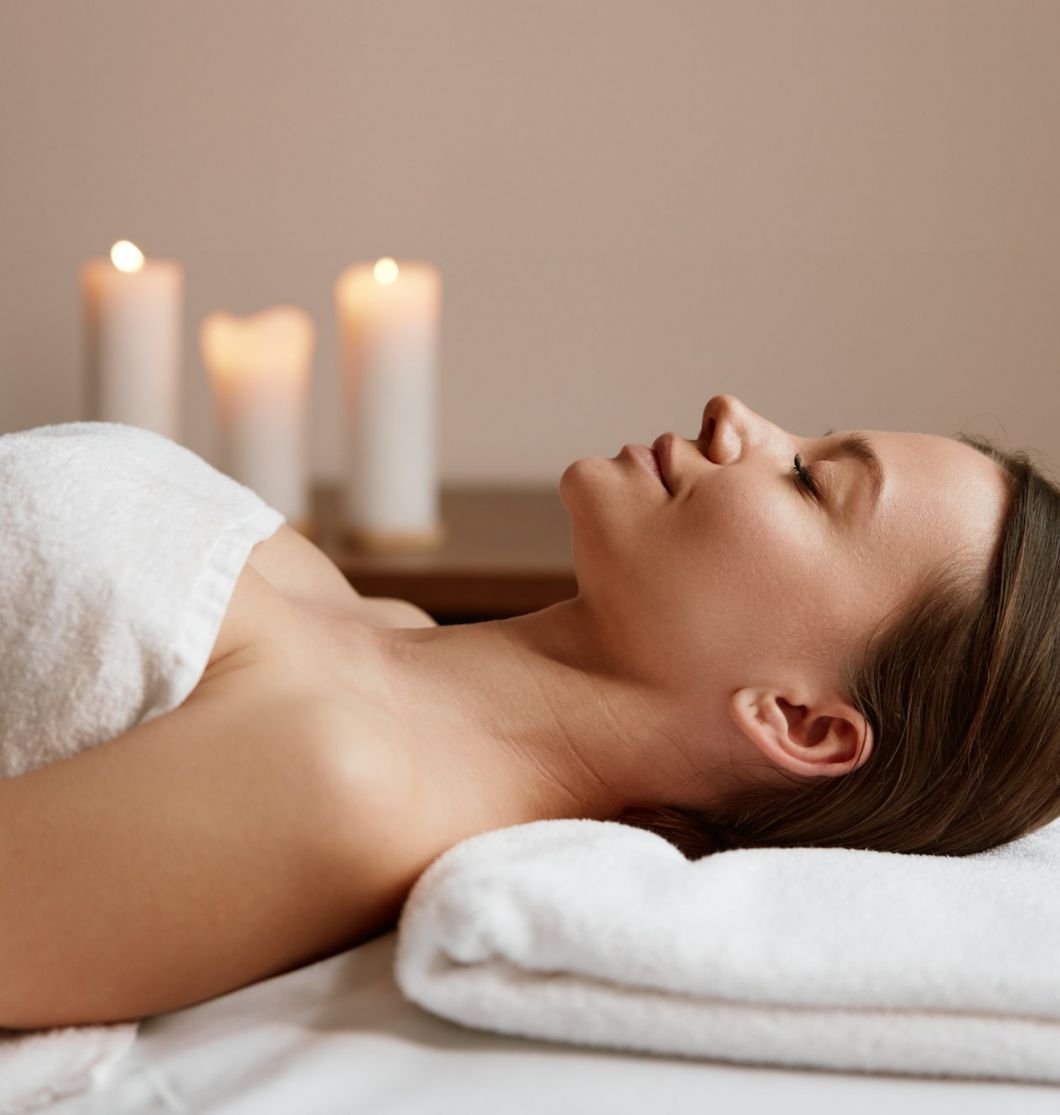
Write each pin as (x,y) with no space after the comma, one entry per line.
(596,933)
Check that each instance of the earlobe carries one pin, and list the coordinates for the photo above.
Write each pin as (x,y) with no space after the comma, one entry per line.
(828,737)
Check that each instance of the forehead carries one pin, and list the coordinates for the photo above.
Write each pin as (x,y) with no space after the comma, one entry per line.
(946,497)
(945,460)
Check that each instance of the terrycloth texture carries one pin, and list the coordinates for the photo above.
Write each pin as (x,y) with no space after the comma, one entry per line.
(44,1066)
(119,551)
(596,933)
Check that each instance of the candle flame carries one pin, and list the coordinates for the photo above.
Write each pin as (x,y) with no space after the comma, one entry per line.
(385,270)
(126,256)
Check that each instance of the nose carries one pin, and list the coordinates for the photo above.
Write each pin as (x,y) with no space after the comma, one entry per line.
(727,427)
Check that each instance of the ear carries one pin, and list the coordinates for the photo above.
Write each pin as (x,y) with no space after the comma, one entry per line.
(823,737)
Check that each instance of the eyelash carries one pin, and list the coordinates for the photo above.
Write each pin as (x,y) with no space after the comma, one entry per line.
(803,478)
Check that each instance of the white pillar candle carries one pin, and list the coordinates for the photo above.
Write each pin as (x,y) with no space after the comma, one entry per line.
(388,327)
(133,310)
(260,369)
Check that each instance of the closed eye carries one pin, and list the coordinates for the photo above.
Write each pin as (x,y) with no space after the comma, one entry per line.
(803,478)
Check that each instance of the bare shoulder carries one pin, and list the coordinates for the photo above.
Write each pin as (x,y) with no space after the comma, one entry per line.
(391,611)
(300,570)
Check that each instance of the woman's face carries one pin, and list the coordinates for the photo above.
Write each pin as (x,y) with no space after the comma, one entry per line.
(741,567)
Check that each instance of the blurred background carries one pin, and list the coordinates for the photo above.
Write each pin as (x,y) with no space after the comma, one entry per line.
(846,213)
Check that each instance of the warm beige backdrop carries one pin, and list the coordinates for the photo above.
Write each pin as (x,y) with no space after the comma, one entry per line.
(846,212)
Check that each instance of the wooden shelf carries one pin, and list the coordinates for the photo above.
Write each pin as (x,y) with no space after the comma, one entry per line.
(507,551)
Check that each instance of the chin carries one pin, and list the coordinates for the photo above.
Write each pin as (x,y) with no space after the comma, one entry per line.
(586,468)
(569,479)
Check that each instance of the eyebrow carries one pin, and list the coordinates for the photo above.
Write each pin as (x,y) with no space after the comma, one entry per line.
(857,445)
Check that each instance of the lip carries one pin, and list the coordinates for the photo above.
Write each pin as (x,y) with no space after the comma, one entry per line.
(646,458)
(663,450)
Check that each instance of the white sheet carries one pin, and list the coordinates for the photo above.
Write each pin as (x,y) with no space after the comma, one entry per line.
(337,1037)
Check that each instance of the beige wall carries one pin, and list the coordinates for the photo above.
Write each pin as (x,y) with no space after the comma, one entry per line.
(847,213)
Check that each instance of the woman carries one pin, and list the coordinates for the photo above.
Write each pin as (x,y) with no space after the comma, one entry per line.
(844,639)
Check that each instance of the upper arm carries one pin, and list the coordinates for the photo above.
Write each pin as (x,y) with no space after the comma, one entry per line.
(196,853)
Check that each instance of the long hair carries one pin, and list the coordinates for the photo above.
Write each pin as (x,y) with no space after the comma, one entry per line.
(962,689)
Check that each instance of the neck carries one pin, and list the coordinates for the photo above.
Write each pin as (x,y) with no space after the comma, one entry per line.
(517,720)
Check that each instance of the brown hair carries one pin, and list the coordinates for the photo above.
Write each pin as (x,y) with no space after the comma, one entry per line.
(962,689)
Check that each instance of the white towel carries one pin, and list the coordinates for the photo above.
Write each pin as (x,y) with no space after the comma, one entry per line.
(47,1065)
(119,551)
(597,933)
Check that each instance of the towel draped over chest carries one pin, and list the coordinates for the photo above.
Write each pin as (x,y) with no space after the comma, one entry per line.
(120,551)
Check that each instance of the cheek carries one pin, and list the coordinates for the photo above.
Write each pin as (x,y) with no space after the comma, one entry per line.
(769,574)
(754,540)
